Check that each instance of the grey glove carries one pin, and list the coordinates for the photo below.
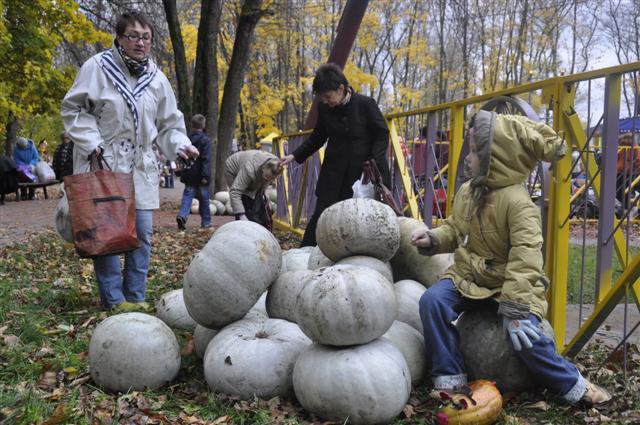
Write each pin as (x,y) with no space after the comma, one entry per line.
(521,331)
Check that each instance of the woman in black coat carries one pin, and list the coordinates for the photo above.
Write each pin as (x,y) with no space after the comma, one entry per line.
(355,131)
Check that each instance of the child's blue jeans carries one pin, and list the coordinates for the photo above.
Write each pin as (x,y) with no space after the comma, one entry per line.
(441,304)
(130,284)
(202,194)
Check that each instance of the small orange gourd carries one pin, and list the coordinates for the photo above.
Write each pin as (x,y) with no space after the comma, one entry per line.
(482,408)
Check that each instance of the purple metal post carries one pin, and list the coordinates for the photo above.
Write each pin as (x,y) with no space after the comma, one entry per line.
(607,183)
(430,165)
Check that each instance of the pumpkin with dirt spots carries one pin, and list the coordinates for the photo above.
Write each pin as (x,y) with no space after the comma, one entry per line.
(133,351)
(358,226)
(253,358)
(228,276)
(363,384)
(345,305)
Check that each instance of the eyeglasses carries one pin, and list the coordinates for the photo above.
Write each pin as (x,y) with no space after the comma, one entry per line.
(135,37)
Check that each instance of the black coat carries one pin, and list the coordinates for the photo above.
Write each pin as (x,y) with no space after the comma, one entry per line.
(63,160)
(201,168)
(354,133)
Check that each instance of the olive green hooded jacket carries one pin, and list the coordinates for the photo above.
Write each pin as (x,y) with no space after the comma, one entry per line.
(497,240)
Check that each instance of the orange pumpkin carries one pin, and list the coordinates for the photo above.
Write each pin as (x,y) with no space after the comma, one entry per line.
(482,408)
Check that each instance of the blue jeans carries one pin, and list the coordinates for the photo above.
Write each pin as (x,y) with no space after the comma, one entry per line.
(441,304)
(129,284)
(202,194)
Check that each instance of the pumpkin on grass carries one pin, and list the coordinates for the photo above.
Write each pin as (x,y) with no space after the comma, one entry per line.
(172,311)
(362,384)
(481,408)
(133,351)
(251,358)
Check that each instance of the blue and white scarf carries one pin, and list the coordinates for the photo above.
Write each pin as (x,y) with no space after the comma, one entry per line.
(119,80)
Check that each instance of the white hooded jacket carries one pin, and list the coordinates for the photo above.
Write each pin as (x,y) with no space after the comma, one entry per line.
(95,114)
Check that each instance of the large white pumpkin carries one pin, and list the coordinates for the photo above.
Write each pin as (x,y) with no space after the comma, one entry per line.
(410,342)
(201,338)
(172,311)
(363,384)
(222,196)
(345,305)
(229,275)
(254,358)
(133,351)
(283,293)
(408,263)
(358,226)
(295,259)
(408,293)
(317,259)
(382,267)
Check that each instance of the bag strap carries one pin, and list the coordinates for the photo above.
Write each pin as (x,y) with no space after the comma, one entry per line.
(97,161)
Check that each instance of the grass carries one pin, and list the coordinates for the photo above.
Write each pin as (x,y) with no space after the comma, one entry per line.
(49,307)
(586,279)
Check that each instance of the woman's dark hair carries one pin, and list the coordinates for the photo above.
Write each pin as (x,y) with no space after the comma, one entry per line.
(130,18)
(328,77)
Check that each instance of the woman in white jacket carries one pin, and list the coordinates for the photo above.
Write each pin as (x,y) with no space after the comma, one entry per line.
(119,104)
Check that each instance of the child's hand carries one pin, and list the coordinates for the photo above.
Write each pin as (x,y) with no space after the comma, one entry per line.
(420,238)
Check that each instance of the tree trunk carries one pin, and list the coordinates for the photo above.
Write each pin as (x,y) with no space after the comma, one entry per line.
(182,74)
(249,16)
(11,133)
(205,79)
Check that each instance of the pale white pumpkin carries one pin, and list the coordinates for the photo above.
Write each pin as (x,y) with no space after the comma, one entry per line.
(408,263)
(201,338)
(283,293)
(345,305)
(363,384)
(252,358)
(272,194)
(228,276)
(317,259)
(382,267)
(295,259)
(228,209)
(358,226)
(220,207)
(172,311)
(212,208)
(259,309)
(133,351)
(222,196)
(410,342)
(408,293)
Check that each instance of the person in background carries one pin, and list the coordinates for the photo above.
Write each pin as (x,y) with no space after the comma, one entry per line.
(354,130)
(248,173)
(496,236)
(43,151)
(63,157)
(197,177)
(26,158)
(118,106)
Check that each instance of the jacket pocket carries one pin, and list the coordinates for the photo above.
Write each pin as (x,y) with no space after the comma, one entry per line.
(487,272)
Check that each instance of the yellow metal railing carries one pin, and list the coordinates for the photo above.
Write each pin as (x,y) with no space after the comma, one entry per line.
(559,95)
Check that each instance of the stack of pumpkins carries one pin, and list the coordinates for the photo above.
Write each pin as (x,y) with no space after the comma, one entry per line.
(221,205)
(367,342)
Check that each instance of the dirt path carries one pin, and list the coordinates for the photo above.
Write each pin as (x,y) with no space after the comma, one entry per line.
(19,220)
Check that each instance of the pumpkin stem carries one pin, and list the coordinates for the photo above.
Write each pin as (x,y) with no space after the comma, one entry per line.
(262,334)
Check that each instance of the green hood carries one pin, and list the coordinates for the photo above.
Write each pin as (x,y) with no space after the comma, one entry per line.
(510,146)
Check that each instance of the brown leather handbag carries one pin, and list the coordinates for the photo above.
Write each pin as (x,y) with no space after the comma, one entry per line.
(102,207)
(383,194)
